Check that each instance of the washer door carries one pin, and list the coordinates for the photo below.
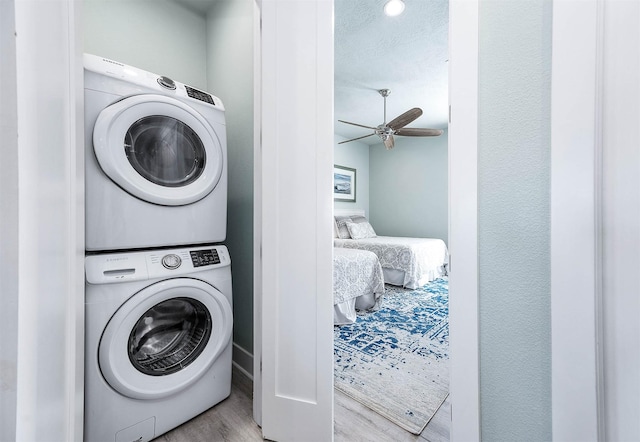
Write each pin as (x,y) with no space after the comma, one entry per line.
(158,149)
(164,338)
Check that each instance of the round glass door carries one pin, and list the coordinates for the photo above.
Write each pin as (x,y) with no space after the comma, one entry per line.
(165,151)
(158,149)
(169,336)
(164,338)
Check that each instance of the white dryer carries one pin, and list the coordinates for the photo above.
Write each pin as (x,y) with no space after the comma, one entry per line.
(155,160)
(157,340)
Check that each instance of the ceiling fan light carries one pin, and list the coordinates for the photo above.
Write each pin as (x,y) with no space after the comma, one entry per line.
(393,8)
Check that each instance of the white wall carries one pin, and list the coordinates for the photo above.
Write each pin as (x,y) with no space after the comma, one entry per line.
(356,156)
(514,219)
(158,36)
(409,188)
(230,26)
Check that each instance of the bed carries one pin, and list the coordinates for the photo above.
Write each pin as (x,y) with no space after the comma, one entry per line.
(358,283)
(406,262)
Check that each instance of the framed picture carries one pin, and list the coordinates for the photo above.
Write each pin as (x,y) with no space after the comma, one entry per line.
(344,184)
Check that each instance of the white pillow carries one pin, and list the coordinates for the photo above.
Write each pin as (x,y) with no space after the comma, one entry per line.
(360,230)
(341,227)
(358,219)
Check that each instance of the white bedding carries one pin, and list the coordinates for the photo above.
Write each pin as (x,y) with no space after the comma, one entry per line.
(358,283)
(421,259)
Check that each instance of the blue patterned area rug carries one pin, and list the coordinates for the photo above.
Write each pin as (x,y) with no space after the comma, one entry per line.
(396,360)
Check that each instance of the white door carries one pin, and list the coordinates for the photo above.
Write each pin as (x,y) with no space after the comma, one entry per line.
(621,221)
(296,207)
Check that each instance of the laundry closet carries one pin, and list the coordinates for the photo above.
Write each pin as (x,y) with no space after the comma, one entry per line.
(211,49)
(181,75)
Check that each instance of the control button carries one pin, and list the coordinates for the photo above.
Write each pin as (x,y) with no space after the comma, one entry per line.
(167,83)
(171,261)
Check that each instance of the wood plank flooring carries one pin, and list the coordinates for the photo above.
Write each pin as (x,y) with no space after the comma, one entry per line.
(232,421)
(229,421)
(353,422)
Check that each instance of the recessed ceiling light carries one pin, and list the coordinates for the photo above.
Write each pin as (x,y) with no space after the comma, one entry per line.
(394,7)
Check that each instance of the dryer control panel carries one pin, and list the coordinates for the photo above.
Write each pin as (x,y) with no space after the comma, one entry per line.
(148,80)
(121,267)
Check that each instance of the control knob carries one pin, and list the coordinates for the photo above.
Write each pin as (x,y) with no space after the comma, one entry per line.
(166,82)
(171,261)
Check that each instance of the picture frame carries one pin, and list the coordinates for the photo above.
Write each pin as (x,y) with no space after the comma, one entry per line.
(344,184)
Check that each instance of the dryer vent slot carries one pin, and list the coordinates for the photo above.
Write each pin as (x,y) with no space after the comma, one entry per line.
(118,272)
(199,95)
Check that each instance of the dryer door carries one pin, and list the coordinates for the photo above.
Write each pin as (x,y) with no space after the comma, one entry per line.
(164,338)
(158,149)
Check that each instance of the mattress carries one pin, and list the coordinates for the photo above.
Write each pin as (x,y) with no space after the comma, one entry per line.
(358,283)
(419,259)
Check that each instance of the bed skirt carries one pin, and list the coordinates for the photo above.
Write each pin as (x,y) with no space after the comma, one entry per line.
(345,312)
(397,277)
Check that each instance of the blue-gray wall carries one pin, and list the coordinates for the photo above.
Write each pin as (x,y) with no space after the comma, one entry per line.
(230,77)
(356,156)
(513,218)
(158,36)
(409,189)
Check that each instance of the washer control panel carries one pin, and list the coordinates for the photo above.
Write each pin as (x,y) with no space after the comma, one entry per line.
(201,258)
(143,265)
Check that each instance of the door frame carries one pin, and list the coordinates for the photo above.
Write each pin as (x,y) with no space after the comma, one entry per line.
(576,150)
(463,220)
(43,225)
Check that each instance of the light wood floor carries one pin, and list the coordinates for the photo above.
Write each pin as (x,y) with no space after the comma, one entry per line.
(231,420)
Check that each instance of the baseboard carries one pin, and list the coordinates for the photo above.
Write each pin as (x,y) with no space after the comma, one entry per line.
(243,360)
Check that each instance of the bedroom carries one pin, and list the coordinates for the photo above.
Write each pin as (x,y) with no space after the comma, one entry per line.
(402,192)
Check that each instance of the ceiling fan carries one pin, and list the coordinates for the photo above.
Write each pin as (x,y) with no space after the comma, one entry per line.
(386,131)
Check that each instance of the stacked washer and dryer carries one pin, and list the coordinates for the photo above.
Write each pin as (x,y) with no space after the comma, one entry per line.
(158,315)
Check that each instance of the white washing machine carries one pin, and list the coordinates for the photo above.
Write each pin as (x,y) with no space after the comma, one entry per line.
(155,160)
(157,340)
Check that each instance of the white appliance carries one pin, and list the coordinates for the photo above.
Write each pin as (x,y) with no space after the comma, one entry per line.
(155,160)
(157,340)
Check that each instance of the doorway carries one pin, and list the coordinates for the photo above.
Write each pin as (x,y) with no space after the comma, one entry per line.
(386,66)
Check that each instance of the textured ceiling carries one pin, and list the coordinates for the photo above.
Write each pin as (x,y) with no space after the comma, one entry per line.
(407,54)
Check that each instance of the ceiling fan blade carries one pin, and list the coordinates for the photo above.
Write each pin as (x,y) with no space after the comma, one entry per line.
(416,132)
(389,142)
(359,125)
(404,119)
(353,139)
